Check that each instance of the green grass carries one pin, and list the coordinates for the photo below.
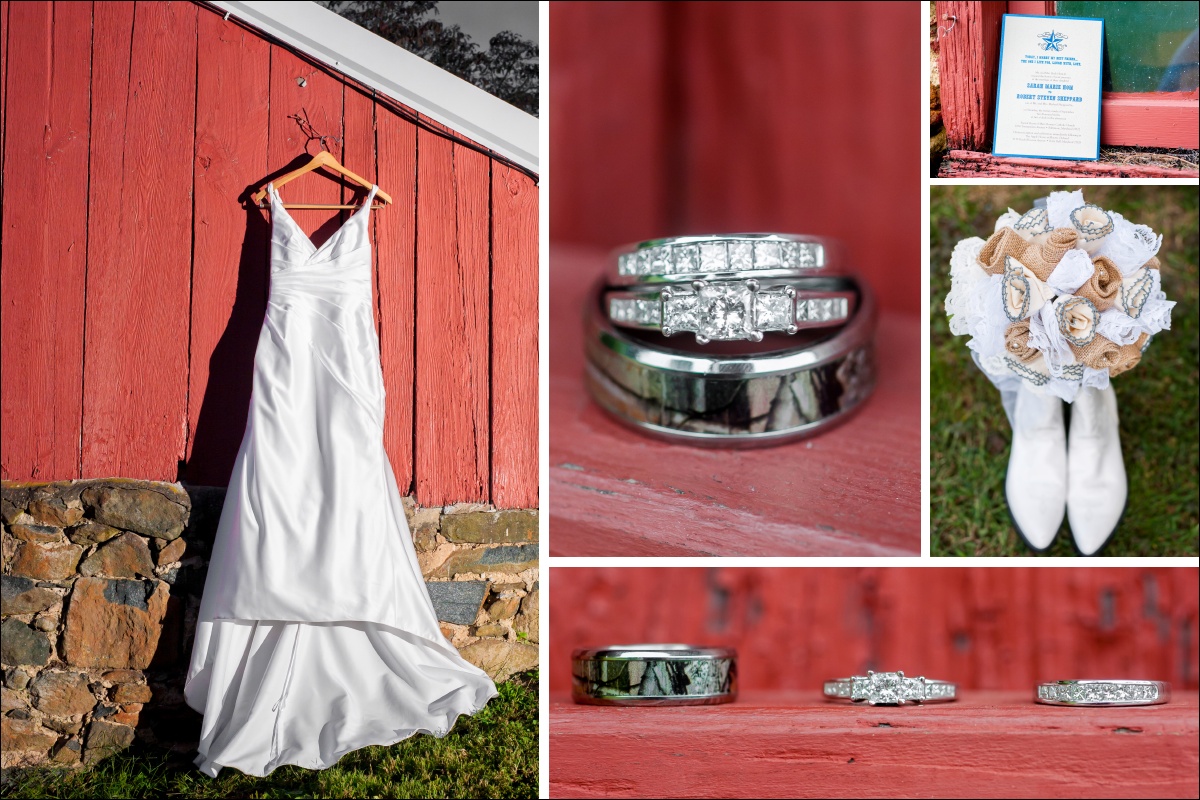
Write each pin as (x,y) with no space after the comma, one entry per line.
(969,434)
(493,754)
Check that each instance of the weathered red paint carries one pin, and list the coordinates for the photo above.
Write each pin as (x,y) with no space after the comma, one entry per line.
(163,368)
(674,118)
(796,744)
(970,164)
(45,237)
(1004,628)
(855,490)
(968,59)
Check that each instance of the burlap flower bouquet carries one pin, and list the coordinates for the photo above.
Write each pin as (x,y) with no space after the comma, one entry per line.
(1061,297)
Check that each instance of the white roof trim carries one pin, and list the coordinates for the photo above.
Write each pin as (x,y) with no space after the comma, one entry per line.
(397,73)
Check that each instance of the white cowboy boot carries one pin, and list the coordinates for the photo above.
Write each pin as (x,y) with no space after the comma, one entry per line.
(1096,483)
(1036,486)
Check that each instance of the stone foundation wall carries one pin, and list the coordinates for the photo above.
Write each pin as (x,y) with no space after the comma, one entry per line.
(102,582)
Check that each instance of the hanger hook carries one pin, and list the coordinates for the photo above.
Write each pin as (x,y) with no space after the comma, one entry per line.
(946,31)
(311,133)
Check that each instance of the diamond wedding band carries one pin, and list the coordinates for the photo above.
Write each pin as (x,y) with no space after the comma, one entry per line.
(654,675)
(687,258)
(890,689)
(1103,693)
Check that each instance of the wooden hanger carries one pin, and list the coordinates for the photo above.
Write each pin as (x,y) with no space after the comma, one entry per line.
(321,159)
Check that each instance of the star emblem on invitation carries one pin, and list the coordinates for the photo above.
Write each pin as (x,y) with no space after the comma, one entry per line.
(1053,41)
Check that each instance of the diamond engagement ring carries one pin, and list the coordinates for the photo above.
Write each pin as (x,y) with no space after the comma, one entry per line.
(654,675)
(890,689)
(686,258)
(1103,693)
(731,310)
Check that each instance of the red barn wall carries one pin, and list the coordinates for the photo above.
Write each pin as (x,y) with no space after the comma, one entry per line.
(1004,628)
(134,280)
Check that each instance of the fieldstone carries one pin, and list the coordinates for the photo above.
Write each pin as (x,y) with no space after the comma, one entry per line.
(424,523)
(92,533)
(131,693)
(114,623)
(457,601)
(172,552)
(126,556)
(24,736)
(8,547)
(106,738)
(46,563)
(62,694)
(103,711)
(53,511)
(505,558)
(491,527)
(527,622)
(128,715)
(20,644)
(10,701)
(161,512)
(504,607)
(68,726)
(38,534)
(19,713)
(123,676)
(45,624)
(499,658)
(494,629)
(16,678)
(67,753)
(19,595)
(13,500)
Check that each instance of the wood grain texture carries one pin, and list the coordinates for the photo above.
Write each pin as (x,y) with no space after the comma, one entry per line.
(1004,628)
(796,744)
(140,258)
(42,274)
(453,304)
(854,490)
(969,164)
(967,62)
(395,256)
(3,82)
(514,380)
(746,116)
(230,265)
(300,89)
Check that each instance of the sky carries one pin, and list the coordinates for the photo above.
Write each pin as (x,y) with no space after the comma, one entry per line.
(483,20)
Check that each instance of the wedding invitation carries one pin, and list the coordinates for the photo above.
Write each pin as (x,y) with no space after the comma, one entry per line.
(1048,89)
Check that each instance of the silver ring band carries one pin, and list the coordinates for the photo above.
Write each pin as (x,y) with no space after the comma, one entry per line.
(731,310)
(654,675)
(742,400)
(746,255)
(890,689)
(1104,693)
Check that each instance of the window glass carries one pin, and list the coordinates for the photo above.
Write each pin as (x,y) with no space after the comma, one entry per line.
(1149,46)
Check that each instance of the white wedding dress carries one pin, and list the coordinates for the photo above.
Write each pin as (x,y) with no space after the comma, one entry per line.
(316,634)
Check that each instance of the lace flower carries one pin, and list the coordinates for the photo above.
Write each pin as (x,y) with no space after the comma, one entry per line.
(1071,272)
(1130,246)
(1059,206)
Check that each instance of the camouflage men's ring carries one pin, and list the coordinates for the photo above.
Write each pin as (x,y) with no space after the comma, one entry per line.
(654,675)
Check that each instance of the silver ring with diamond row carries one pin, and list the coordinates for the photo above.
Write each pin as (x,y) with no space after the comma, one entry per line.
(890,689)
(654,675)
(736,255)
(748,400)
(1103,692)
(734,310)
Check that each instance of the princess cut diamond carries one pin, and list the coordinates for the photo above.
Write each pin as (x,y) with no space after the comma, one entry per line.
(772,311)
(712,257)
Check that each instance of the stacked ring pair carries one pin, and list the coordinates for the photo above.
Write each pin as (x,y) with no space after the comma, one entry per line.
(780,343)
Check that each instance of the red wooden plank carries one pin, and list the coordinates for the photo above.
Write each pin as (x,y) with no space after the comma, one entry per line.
(452,430)
(42,275)
(140,241)
(968,58)
(1167,119)
(983,628)
(231,242)
(854,490)
(300,89)
(796,744)
(514,339)
(969,164)
(395,243)
(358,151)
(3,76)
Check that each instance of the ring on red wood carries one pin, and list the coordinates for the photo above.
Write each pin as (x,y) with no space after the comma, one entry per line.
(734,310)
(743,255)
(1104,693)
(759,394)
(890,689)
(654,675)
